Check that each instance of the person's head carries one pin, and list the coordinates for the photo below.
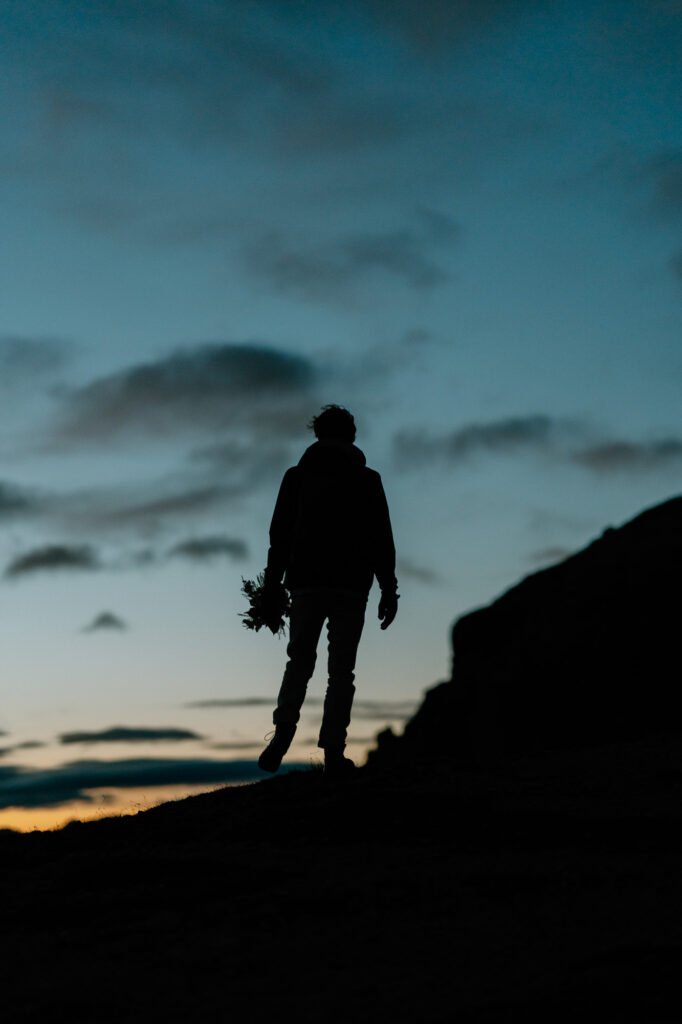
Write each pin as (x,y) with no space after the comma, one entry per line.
(334,423)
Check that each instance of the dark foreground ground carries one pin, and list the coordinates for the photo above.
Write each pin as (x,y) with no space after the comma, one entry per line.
(544,891)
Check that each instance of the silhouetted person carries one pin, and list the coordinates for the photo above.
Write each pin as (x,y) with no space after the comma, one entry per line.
(330,536)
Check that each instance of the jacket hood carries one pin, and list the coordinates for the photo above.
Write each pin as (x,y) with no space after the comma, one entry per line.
(332,458)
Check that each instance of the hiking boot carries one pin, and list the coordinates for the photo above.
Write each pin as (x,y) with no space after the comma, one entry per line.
(271,758)
(336,765)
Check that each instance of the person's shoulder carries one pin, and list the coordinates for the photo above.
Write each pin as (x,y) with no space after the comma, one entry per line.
(290,477)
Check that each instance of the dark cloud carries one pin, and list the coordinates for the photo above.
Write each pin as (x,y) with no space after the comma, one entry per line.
(539,434)
(209,387)
(428,25)
(16,501)
(417,336)
(368,709)
(438,24)
(130,734)
(327,271)
(203,549)
(416,572)
(236,745)
(27,787)
(147,513)
(106,621)
(53,557)
(384,710)
(630,456)
(26,745)
(334,125)
(504,436)
(24,360)
(236,702)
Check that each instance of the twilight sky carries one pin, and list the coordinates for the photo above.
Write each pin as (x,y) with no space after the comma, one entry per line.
(462,220)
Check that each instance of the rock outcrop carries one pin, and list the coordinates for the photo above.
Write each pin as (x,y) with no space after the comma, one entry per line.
(585,652)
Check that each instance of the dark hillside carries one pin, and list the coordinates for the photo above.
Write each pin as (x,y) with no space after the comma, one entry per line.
(537,888)
(532,893)
(585,652)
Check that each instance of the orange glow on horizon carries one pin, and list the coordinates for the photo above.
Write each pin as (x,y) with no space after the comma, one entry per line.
(123,802)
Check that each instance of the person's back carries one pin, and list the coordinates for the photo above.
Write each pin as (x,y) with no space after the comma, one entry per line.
(330,536)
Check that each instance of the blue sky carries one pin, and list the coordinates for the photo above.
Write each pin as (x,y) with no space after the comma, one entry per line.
(461,220)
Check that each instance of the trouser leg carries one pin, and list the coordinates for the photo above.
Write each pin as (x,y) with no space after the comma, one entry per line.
(344,629)
(305,625)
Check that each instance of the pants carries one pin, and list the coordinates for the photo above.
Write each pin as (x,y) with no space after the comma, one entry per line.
(346,617)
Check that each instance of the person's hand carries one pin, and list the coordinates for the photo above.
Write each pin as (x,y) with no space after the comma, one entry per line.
(274,606)
(388,608)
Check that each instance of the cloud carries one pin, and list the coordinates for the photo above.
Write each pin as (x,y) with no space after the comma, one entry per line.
(440,24)
(537,434)
(504,436)
(231,702)
(380,710)
(26,360)
(16,501)
(361,708)
(237,745)
(130,734)
(327,271)
(630,456)
(111,509)
(26,745)
(107,621)
(203,549)
(331,125)
(209,387)
(416,572)
(550,555)
(53,557)
(27,787)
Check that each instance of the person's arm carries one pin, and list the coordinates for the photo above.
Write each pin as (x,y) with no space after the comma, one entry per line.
(281,528)
(384,558)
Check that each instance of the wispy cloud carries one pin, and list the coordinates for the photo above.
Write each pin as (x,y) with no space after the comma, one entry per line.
(130,734)
(27,787)
(563,441)
(630,456)
(17,501)
(205,549)
(24,361)
(26,745)
(330,269)
(405,567)
(547,556)
(231,702)
(52,558)
(504,436)
(366,709)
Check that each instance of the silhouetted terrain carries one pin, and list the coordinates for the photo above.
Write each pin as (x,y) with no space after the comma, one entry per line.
(538,888)
(582,653)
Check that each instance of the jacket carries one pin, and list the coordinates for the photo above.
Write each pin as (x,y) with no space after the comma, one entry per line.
(331,527)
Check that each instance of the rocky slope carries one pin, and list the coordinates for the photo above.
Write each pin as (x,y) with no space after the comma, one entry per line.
(584,652)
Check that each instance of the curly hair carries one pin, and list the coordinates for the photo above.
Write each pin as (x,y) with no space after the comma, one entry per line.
(333,423)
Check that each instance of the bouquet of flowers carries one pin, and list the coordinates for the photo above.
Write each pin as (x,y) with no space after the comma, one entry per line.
(269,604)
